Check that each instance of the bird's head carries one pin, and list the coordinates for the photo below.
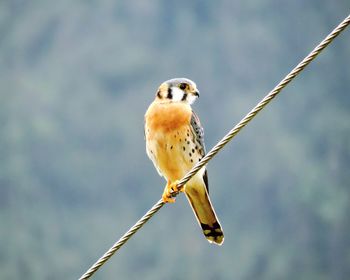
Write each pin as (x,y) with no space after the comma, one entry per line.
(177,90)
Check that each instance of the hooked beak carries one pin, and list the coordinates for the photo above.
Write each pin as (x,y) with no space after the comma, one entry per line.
(196,93)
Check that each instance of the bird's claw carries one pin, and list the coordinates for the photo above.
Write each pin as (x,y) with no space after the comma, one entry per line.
(169,191)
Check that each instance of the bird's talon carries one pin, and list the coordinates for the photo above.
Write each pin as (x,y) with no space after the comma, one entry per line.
(173,186)
(167,196)
(168,199)
(169,190)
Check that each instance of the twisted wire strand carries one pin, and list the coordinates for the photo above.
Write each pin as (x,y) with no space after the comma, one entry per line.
(220,145)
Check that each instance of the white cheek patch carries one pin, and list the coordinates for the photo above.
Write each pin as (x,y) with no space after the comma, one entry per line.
(177,94)
(191,98)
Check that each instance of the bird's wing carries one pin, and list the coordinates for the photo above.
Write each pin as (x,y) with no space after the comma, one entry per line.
(198,133)
(198,193)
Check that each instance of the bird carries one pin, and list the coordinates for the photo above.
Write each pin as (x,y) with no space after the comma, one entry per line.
(175,143)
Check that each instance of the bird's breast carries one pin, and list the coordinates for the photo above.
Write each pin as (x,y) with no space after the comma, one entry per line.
(167,130)
(167,117)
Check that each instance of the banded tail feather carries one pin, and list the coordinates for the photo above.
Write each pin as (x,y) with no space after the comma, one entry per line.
(197,195)
(213,233)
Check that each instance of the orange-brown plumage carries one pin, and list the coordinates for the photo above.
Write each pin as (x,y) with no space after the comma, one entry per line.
(168,122)
(168,116)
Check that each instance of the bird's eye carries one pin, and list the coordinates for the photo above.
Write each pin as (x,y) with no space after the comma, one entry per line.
(183,86)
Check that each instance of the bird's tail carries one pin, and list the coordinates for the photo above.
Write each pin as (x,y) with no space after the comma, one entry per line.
(199,199)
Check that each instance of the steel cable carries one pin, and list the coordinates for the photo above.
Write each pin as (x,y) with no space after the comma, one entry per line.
(220,145)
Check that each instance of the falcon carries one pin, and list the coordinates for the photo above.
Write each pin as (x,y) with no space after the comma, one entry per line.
(174,143)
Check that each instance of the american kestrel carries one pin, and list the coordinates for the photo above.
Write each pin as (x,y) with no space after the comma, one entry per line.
(174,143)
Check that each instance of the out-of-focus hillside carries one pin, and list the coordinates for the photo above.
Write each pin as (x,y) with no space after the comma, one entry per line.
(75,80)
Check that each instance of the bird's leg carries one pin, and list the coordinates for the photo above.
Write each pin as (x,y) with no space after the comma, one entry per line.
(169,189)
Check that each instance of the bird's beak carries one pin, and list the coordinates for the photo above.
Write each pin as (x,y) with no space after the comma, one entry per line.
(196,93)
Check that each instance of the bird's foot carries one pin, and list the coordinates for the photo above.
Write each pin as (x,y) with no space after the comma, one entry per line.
(169,190)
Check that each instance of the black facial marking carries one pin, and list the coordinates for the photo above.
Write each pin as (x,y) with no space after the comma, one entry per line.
(170,93)
(184,97)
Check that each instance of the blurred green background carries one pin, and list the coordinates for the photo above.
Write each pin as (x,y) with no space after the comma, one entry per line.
(76,78)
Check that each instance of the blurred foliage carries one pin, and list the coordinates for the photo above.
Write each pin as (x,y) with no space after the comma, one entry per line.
(76,78)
